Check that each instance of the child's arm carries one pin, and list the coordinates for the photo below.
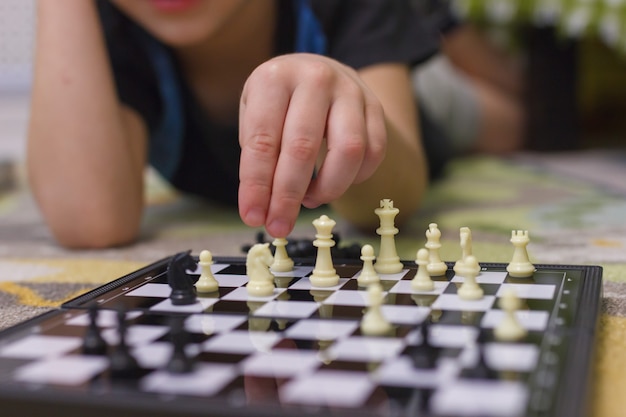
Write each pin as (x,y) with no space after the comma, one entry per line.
(86,152)
(298,107)
(402,176)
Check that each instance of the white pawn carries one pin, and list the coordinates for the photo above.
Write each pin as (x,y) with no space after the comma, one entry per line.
(207,282)
(469,269)
(422,281)
(520,266)
(509,329)
(282,261)
(368,274)
(436,267)
(373,322)
(260,278)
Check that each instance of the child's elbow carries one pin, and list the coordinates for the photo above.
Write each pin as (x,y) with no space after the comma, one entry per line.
(93,235)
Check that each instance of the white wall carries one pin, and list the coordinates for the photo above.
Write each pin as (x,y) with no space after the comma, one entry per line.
(17,18)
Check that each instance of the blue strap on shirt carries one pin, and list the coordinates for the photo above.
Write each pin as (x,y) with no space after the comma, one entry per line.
(309,34)
(165,150)
(166,141)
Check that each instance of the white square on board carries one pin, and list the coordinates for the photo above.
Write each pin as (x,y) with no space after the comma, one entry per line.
(358,298)
(201,304)
(404,287)
(241,294)
(387,277)
(532,291)
(151,289)
(328,388)
(455,303)
(402,314)
(204,381)
(213,323)
(305,284)
(400,372)
(281,363)
(512,356)
(285,308)
(318,329)
(297,272)
(40,346)
(448,336)
(66,370)
(485,277)
(239,341)
(534,320)
(365,349)
(231,280)
(480,398)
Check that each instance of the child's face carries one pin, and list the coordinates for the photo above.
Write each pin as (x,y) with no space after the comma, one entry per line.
(180,23)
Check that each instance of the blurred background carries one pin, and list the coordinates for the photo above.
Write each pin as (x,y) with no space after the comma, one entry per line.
(575,65)
(17,18)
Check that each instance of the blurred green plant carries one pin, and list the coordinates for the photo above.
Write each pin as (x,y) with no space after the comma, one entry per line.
(605,19)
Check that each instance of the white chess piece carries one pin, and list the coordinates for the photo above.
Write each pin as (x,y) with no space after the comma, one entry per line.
(509,329)
(466,245)
(282,261)
(207,282)
(422,281)
(261,280)
(368,274)
(469,270)
(520,266)
(373,322)
(436,267)
(388,261)
(324,273)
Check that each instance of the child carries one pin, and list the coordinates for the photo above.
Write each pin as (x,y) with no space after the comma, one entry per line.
(271,104)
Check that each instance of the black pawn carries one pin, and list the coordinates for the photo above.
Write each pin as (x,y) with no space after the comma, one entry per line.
(93,343)
(418,403)
(122,363)
(424,355)
(482,370)
(180,362)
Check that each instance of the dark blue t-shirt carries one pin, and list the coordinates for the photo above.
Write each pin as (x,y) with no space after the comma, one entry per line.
(202,157)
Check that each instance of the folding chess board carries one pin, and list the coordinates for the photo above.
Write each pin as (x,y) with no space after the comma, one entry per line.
(300,351)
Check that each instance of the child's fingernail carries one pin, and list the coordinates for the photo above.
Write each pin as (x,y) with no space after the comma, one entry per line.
(279,228)
(255,217)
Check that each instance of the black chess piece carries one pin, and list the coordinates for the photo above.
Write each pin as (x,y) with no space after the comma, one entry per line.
(482,370)
(182,284)
(424,355)
(93,342)
(180,362)
(122,364)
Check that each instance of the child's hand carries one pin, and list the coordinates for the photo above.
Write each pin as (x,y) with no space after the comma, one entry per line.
(290,105)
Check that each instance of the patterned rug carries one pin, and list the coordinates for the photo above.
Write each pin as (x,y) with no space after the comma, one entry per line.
(573,206)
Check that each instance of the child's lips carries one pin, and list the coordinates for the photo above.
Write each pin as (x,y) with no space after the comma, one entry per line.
(173,6)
